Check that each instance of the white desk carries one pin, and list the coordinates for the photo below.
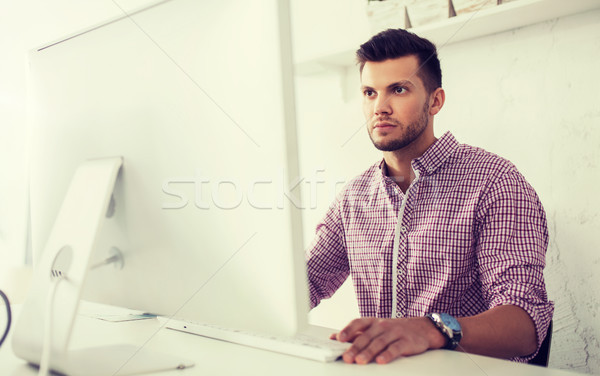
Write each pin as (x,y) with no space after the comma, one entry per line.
(214,357)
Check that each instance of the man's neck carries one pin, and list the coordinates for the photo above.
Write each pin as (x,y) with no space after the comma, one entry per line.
(398,162)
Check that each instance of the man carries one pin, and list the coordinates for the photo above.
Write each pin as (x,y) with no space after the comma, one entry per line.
(445,243)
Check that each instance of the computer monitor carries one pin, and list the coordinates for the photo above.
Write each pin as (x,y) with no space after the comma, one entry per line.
(193,100)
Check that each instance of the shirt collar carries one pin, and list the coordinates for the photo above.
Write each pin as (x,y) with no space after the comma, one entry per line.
(433,158)
(436,155)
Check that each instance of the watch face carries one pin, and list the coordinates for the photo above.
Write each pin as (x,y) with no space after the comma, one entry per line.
(450,322)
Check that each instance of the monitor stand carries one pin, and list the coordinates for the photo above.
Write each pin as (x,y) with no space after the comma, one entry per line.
(58,281)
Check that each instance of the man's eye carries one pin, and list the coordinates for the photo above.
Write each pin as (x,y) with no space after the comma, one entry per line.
(399,90)
(368,93)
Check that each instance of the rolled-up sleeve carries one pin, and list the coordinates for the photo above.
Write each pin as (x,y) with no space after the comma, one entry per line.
(511,248)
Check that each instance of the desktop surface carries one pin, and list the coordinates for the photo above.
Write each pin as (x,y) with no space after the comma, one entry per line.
(213,357)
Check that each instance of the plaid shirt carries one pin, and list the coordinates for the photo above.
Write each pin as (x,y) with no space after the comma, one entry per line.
(468,235)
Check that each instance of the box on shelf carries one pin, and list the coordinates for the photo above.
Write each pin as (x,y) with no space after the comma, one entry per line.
(423,12)
(469,6)
(389,14)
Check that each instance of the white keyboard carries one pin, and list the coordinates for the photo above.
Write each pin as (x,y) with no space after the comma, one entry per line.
(303,346)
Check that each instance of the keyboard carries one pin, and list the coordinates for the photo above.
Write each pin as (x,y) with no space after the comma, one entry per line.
(300,345)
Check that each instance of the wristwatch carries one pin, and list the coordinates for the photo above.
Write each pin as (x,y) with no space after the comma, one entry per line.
(449,327)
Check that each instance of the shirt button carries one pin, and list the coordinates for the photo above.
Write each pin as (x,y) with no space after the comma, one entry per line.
(403,229)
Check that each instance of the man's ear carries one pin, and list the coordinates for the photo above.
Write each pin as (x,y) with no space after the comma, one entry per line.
(436,101)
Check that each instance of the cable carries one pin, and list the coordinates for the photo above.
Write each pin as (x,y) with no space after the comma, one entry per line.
(45,360)
(8,315)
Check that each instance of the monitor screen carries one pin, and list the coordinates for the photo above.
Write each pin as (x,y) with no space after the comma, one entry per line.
(197,99)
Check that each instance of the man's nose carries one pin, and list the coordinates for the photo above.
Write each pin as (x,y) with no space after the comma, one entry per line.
(382,105)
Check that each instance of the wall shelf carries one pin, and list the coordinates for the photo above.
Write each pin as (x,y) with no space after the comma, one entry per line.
(466,26)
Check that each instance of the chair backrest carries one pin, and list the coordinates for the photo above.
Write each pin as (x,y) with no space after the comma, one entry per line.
(541,359)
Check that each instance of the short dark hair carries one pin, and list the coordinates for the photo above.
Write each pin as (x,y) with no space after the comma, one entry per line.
(395,43)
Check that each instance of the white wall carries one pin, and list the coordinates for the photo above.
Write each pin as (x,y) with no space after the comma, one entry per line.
(530,95)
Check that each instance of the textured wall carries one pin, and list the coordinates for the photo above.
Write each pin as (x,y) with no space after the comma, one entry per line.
(530,95)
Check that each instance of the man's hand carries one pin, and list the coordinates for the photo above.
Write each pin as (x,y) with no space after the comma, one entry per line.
(384,340)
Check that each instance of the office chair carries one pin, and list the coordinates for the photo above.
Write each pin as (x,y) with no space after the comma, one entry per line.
(541,359)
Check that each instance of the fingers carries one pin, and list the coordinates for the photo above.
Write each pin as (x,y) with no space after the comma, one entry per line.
(355,328)
(368,346)
(383,340)
(393,351)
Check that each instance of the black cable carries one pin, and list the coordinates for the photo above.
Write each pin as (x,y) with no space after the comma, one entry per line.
(8,314)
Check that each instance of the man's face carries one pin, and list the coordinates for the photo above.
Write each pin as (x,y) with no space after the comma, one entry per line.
(395,102)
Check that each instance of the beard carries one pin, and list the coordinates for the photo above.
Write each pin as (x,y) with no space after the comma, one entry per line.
(412,131)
